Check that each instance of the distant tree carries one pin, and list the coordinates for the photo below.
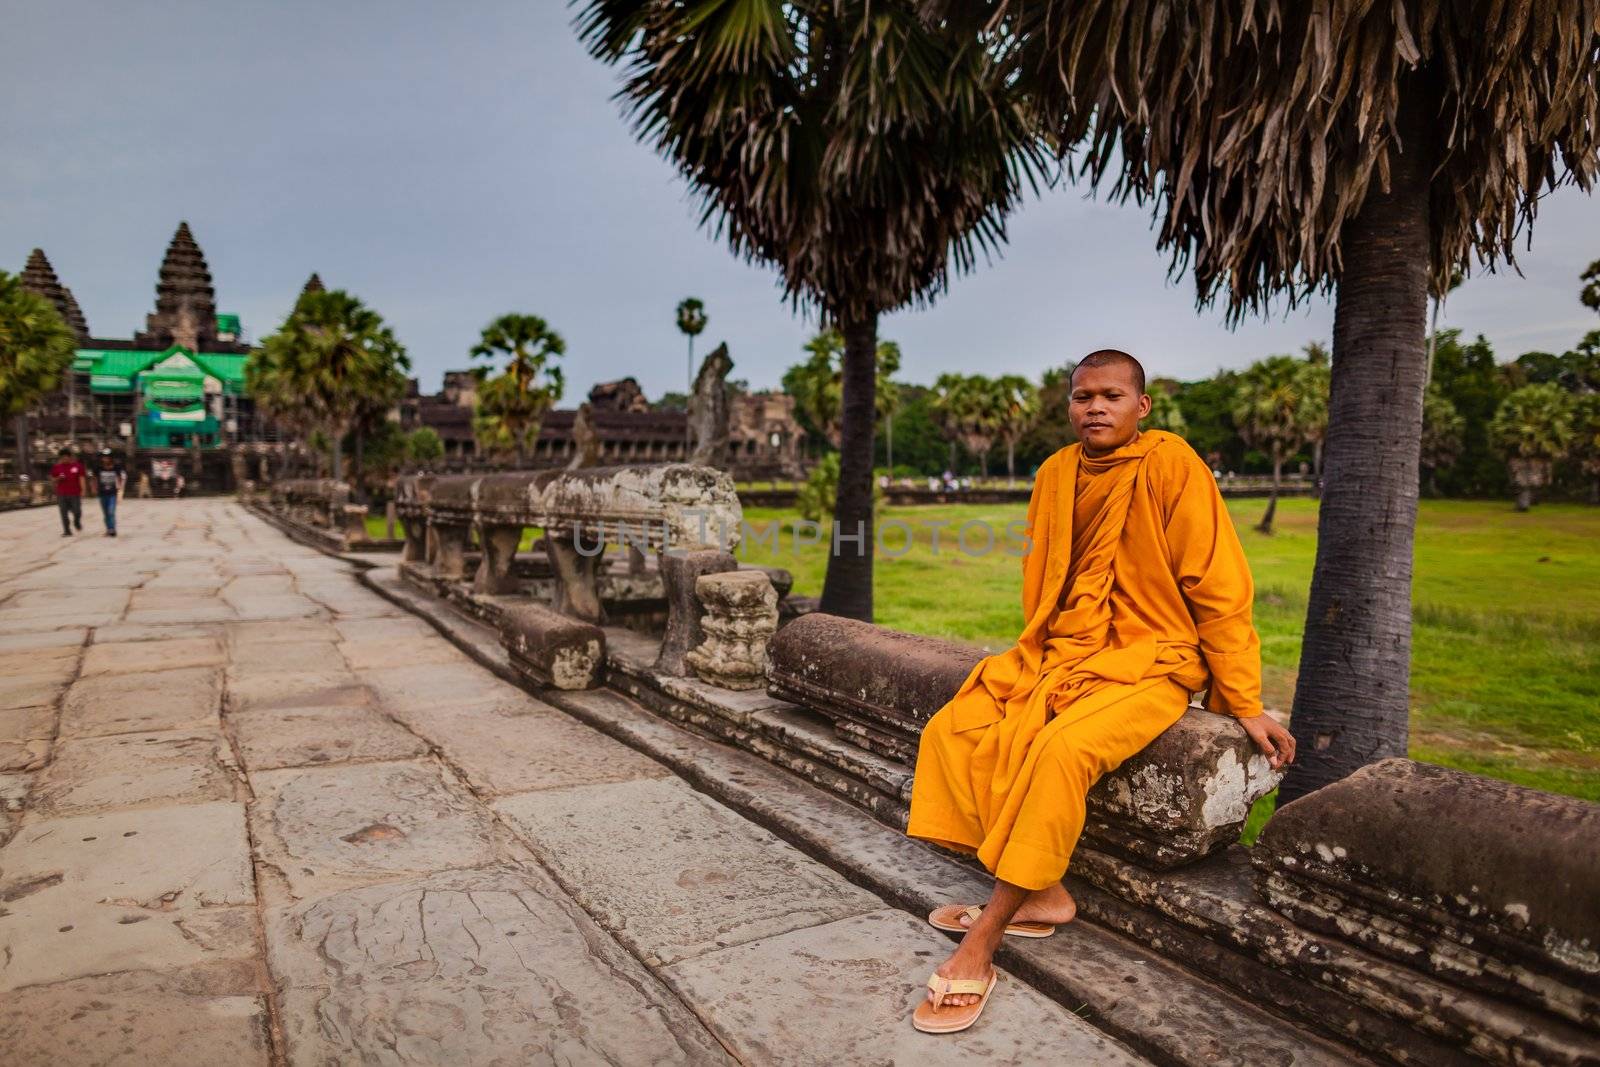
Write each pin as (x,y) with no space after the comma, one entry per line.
(970,410)
(1589,295)
(1165,414)
(1017,404)
(1586,441)
(817,384)
(1318,379)
(36,348)
(918,443)
(1052,429)
(1442,427)
(1270,413)
(691,321)
(1207,407)
(423,445)
(331,363)
(511,407)
(1468,377)
(1439,293)
(1532,428)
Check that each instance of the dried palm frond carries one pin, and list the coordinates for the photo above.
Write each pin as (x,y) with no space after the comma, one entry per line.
(1258,127)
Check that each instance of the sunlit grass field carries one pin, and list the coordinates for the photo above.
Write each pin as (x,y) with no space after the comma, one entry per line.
(1505,639)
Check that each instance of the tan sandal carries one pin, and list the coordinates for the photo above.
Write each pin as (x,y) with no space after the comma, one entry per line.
(949,918)
(932,1017)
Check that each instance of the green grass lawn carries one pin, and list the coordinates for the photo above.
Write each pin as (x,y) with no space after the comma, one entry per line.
(1505,674)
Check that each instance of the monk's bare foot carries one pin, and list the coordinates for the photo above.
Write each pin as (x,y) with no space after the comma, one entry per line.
(1052,904)
(971,959)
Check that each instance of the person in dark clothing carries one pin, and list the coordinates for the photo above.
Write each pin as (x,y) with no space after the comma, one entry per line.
(72,481)
(110,477)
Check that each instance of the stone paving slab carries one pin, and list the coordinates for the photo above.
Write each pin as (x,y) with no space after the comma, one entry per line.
(844,993)
(131,657)
(431,686)
(489,966)
(153,889)
(127,633)
(712,878)
(23,755)
(394,651)
(326,828)
(130,1020)
(45,641)
(48,659)
(95,774)
(521,745)
(181,699)
(28,724)
(249,659)
(242,635)
(300,737)
(36,688)
(294,689)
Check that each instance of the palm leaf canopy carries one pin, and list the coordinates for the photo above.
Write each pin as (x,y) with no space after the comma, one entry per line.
(1258,127)
(859,150)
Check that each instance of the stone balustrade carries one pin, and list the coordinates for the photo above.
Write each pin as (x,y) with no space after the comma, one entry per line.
(1484,883)
(741,615)
(687,516)
(320,506)
(1185,796)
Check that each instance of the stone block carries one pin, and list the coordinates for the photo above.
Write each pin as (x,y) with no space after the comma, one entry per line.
(155,889)
(94,774)
(300,737)
(553,649)
(887,683)
(1186,795)
(711,878)
(741,615)
(326,828)
(130,1018)
(860,978)
(679,571)
(1490,885)
(487,966)
(184,699)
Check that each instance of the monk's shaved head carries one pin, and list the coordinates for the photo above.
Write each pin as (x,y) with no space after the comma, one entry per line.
(1111,357)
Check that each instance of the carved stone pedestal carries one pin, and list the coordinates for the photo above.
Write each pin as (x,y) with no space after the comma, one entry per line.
(679,571)
(741,615)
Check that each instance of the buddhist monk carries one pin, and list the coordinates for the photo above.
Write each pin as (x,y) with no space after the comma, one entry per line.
(1135,596)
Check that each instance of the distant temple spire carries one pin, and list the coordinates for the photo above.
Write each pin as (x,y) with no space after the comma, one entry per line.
(40,277)
(314,285)
(186,304)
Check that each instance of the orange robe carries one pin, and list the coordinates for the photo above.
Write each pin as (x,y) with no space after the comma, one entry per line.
(1135,594)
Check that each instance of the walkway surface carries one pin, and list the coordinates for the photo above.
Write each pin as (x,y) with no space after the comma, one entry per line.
(254,813)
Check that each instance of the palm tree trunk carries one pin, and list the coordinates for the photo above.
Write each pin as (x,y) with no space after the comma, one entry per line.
(1524,497)
(19,425)
(1011,464)
(1265,526)
(360,494)
(1352,696)
(337,437)
(847,589)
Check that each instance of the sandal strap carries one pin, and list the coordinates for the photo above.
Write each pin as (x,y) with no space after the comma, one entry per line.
(973,911)
(957,986)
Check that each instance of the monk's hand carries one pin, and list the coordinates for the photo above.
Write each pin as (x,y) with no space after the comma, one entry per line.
(1271,737)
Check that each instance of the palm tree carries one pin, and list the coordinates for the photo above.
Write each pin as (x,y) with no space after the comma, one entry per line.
(1317,380)
(512,406)
(862,152)
(1165,414)
(1589,295)
(1450,285)
(1443,429)
(691,320)
(1268,412)
(1586,440)
(1018,404)
(1291,149)
(36,348)
(971,412)
(1533,428)
(818,383)
(331,364)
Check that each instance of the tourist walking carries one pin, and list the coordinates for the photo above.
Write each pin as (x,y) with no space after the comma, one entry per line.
(110,477)
(72,481)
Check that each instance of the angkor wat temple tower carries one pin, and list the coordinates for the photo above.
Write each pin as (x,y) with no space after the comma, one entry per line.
(186,303)
(39,277)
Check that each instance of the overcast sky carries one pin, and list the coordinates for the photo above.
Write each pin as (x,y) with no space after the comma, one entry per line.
(448,163)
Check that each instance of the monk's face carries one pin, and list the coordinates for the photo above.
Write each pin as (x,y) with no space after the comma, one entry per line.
(1106,407)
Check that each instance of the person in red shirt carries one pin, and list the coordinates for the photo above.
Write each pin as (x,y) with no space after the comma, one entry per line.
(72,481)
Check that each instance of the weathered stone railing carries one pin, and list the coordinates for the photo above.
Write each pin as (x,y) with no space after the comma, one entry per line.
(1479,881)
(687,516)
(323,505)
(1184,796)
